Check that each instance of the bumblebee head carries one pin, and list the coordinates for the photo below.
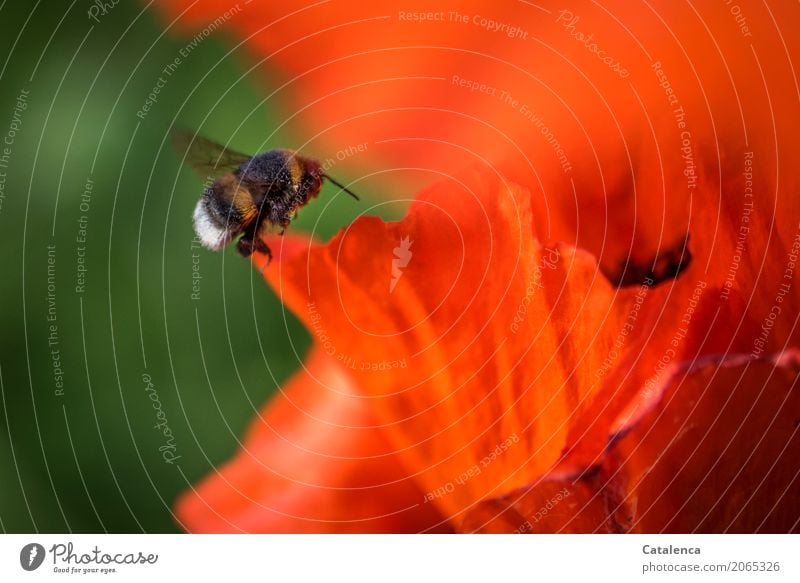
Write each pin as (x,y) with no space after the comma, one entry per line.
(224,212)
(311,175)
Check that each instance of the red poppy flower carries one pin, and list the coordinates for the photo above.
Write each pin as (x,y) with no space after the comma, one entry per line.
(473,373)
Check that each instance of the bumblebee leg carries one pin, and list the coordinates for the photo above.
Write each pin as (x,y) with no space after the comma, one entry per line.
(247,246)
(262,247)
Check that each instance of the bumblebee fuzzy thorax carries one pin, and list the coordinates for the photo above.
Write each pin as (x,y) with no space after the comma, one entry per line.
(284,176)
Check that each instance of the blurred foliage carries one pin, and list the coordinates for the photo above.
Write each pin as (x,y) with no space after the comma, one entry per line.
(89,459)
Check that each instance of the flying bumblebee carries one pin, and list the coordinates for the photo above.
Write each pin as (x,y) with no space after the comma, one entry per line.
(249,194)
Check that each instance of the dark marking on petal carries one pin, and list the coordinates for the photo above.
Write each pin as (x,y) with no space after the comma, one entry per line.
(668,264)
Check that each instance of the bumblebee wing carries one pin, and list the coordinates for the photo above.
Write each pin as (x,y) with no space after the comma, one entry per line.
(207,157)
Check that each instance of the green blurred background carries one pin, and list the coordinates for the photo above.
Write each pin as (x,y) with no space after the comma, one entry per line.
(88,459)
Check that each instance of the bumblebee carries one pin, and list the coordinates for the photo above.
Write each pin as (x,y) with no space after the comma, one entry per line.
(249,194)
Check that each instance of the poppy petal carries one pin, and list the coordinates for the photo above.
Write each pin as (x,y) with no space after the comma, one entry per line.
(717,455)
(313,461)
(477,344)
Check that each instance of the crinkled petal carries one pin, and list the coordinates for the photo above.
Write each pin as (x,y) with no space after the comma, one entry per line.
(719,454)
(313,461)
